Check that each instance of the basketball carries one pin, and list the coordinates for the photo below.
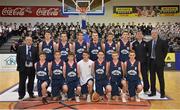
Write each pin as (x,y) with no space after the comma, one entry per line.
(95,97)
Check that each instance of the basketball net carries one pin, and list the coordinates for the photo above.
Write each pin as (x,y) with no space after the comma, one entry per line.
(82,12)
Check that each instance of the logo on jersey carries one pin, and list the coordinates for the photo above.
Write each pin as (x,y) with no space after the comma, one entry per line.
(100,71)
(110,52)
(95,51)
(132,72)
(41,73)
(57,72)
(64,53)
(71,74)
(80,50)
(124,51)
(116,72)
(47,50)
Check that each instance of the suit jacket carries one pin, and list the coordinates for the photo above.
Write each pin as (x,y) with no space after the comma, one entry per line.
(161,51)
(21,57)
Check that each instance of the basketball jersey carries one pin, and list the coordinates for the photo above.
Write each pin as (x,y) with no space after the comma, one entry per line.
(64,51)
(42,71)
(49,50)
(79,49)
(71,72)
(132,71)
(116,72)
(93,50)
(124,51)
(109,49)
(100,70)
(57,70)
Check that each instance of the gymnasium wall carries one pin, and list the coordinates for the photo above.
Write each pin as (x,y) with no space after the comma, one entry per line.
(107,18)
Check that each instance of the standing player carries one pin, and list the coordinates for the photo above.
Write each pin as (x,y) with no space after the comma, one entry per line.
(64,47)
(124,47)
(57,75)
(79,46)
(101,78)
(72,87)
(85,70)
(48,46)
(109,47)
(133,76)
(42,73)
(95,47)
(141,49)
(116,70)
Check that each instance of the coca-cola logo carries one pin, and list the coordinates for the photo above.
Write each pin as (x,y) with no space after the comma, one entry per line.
(47,12)
(14,12)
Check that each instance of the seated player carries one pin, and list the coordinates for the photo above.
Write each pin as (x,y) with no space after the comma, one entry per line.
(42,73)
(101,78)
(57,77)
(115,68)
(72,87)
(133,76)
(85,70)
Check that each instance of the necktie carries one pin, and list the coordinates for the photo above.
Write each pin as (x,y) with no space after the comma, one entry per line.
(153,53)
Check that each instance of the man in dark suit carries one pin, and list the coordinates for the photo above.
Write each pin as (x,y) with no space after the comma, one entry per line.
(157,51)
(27,55)
(141,50)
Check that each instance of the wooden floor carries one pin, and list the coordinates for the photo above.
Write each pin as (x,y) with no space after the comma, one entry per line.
(172,78)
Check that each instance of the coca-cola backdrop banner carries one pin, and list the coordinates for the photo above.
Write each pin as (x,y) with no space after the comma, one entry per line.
(31,11)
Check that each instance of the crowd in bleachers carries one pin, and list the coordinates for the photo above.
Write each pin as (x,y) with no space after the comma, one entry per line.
(167,31)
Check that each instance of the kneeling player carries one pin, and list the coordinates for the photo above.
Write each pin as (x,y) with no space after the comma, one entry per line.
(115,68)
(133,76)
(42,69)
(57,75)
(72,87)
(101,76)
(85,70)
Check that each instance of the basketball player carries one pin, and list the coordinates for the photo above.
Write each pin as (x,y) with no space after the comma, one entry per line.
(57,75)
(48,46)
(85,70)
(64,47)
(109,47)
(133,76)
(124,47)
(42,73)
(116,71)
(101,77)
(79,46)
(72,87)
(95,46)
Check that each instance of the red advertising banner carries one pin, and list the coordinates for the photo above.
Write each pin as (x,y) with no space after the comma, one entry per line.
(30,11)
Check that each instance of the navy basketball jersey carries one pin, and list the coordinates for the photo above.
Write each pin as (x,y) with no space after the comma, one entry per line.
(109,49)
(93,50)
(49,50)
(57,70)
(116,72)
(100,71)
(42,71)
(64,49)
(79,49)
(71,72)
(124,51)
(132,71)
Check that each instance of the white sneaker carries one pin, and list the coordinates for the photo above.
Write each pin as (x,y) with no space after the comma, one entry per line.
(88,98)
(137,98)
(64,97)
(77,99)
(147,92)
(123,97)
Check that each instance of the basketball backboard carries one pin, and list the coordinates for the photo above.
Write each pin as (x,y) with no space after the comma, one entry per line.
(77,7)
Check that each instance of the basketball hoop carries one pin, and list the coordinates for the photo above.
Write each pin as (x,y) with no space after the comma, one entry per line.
(82,12)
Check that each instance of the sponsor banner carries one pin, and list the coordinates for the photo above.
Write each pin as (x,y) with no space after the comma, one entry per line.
(146,11)
(8,62)
(30,11)
(170,58)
